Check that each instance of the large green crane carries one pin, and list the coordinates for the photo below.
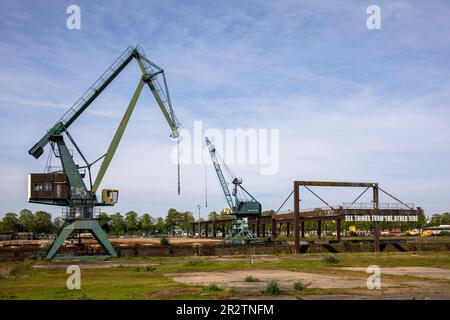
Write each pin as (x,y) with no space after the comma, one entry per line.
(243,205)
(67,187)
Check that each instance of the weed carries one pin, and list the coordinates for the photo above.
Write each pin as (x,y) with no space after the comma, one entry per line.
(331,259)
(150,269)
(164,241)
(232,291)
(194,263)
(272,288)
(19,268)
(251,279)
(83,296)
(300,285)
(212,288)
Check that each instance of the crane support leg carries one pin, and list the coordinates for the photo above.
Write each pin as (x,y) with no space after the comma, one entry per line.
(90,225)
(117,137)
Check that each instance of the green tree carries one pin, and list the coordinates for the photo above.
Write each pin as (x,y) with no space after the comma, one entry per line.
(27,220)
(268,212)
(57,224)
(188,218)
(174,220)
(213,216)
(43,222)
(131,221)
(223,215)
(145,222)
(104,220)
(11,222)
(117,224)
(160,226)
(422,221)
(438,219)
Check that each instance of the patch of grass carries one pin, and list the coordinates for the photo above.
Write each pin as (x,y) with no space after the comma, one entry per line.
(273,288)
(331,259)
(20,268)
(251,279)
(96,283)
(145,269)
(84,296)
(301,285)
(150,268)
(195,263)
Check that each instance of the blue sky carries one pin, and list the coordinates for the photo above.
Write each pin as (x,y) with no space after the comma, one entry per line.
(350,103)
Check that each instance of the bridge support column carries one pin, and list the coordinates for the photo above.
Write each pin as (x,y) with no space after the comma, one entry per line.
(376,224)
(338,229)
(274,228)
(224,230)
(258,231)
(302,224)
(319,229)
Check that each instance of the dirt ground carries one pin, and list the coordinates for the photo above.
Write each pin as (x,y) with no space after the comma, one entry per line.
(285,278)
(435,287)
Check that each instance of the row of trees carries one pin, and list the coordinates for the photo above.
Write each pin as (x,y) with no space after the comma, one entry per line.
(439,219)
(175,221)
(26,221)
(131,223)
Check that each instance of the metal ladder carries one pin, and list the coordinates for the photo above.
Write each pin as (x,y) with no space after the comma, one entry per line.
(97,84)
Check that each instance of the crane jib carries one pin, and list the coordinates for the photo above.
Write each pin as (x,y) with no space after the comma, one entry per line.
(101,84)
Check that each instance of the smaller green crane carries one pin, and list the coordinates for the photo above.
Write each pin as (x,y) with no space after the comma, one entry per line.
(243,205)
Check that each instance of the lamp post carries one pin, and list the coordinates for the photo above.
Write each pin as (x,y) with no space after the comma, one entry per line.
(199,230)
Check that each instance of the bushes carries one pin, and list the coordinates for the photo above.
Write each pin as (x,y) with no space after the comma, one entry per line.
(164,241)
(146,269)
(20,268)
(212,288)
(300,285)
(195,263)
(272,288)
(331,259)
(251,279)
